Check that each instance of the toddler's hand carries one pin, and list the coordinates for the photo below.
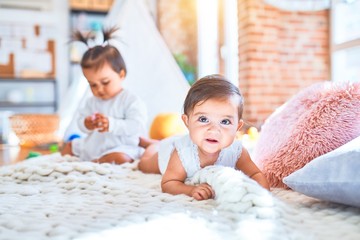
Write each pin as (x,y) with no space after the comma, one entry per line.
(89,123)
(101,122)
(203,192)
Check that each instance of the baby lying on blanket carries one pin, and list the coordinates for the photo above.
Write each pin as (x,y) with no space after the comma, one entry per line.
(212,113)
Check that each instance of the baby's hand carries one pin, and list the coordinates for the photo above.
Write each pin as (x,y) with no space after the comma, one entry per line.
(203,192)
(101,122)
(89,123)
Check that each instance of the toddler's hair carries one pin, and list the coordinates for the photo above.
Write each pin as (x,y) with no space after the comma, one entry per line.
(95,57)
(212,87)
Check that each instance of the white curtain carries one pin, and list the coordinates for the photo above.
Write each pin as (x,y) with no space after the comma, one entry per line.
(300,5)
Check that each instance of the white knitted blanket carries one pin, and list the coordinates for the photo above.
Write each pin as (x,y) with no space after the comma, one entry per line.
(55,197)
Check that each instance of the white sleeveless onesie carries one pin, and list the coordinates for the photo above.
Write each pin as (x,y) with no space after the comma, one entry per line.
(189,157)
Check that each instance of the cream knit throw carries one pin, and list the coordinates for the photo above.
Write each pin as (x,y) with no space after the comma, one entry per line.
(55,197)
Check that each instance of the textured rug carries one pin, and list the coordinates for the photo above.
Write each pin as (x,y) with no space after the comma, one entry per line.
(54,197)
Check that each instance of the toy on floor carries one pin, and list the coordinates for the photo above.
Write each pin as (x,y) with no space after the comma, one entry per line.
(33,154)
(51,147)
(72,137)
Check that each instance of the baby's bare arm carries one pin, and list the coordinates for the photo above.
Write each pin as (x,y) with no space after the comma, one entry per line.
(174,177)
(173,181)
(247,166)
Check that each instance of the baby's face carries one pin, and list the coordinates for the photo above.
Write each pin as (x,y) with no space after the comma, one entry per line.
(105,83)
(213,124)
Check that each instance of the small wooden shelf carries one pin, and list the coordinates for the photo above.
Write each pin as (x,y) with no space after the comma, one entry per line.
(89,11)
(37,84)
(12,79)
(26,104)
(91,5)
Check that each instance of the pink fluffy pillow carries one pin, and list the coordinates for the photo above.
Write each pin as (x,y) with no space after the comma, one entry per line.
(317,120)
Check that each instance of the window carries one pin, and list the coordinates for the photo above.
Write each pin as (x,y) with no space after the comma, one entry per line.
(218,38)
(345,40)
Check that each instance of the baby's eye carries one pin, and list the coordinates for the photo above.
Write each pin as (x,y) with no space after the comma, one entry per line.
(105,83)
(203,119)
(93,85)
(226,122)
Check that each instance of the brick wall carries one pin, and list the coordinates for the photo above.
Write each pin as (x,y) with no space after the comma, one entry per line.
(178,25)
(280,53)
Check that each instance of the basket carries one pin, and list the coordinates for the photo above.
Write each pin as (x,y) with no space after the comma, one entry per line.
(35,129)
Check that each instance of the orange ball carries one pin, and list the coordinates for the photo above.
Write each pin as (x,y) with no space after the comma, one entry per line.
(167,124)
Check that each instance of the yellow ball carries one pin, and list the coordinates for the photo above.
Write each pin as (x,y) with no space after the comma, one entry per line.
(165,125)
(253,133)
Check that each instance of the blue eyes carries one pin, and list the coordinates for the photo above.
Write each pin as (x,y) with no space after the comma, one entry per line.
(226,122)
(203,119)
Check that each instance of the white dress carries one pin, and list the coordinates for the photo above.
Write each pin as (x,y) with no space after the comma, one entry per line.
(189,157)
(127,120)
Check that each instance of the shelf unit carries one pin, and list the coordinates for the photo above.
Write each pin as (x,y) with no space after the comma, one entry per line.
(24,95)
(85,19)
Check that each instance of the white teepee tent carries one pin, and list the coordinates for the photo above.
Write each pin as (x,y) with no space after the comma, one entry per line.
(152,71)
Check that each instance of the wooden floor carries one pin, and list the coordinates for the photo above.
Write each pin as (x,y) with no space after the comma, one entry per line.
(15,154)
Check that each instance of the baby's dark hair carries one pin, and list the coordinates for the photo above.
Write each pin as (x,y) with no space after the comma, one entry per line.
(96,57)
(212,87)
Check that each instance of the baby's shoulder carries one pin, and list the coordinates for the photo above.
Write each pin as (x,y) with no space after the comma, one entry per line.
(125,93)
(183,141)
(128,96)
(235,148)
(237,143)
